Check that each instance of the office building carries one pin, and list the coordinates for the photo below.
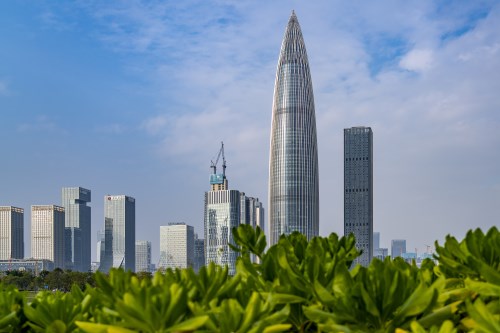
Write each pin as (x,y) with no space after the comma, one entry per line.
(142,256)
(226,209)
(72,249)
(78,225)
(199,253)
(47,234)
(251,211)
(176,246)
(100,245)
(381,253)
(409,257)
(293,165)
(119,233)
(222,214)
(376,241)
(398,247)
(358,189)
(11,233)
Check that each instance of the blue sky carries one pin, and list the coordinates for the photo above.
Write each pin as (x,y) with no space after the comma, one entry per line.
(134,97)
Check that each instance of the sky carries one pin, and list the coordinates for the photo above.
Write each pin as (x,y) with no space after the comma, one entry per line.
(134,98)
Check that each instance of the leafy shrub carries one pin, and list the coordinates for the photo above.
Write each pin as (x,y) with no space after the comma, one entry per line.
(295,286)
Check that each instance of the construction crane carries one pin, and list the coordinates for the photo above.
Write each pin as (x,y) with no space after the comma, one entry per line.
(214,164)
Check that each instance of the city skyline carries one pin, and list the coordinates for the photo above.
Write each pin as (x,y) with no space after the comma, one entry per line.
(124,98)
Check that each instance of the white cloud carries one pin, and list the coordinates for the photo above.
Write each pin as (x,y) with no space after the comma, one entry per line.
(42,123)
(4,88)
(417,60)
(155,124)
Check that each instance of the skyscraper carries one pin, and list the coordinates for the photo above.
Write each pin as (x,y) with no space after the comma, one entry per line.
(119,233)
(142,256)
(11,233)
(222,214)
(376,240)
(293,165)
(101,237)
(199,253)
(47,233)
(251,211)
(398,247)
(358,189)
(78,227)
(176,246)
(226,209)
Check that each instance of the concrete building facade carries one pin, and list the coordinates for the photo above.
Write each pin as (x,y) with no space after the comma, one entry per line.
(47,234)
(177,247)
(11,233)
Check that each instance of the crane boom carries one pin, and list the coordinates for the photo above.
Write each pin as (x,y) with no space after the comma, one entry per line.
(214,164)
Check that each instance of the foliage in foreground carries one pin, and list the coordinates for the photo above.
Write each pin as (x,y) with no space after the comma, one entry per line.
(299,286)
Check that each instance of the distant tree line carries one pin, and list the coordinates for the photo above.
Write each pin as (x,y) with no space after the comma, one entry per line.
(57,279)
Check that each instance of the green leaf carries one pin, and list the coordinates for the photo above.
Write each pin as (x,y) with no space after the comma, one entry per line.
(483,288)
(277,328)
(484,319)
(189,324)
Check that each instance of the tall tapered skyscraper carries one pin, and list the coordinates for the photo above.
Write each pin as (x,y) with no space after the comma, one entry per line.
(293,165)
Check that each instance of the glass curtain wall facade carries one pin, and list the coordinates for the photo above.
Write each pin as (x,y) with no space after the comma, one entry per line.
(119,233)
(78,227)
(358,189)
(398,247)
(11,233)
(293,166)
(199,253)
(222,214)
(101,237)
(142,256)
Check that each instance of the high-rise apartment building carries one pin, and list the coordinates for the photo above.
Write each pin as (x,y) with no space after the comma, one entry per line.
(293,165)
(358,189)
(176,246)
(11,233)
(78,227)
(119,233)
(142,256)
(47,233)
(398,247)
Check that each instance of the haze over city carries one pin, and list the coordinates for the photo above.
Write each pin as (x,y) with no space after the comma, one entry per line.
(134,98)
